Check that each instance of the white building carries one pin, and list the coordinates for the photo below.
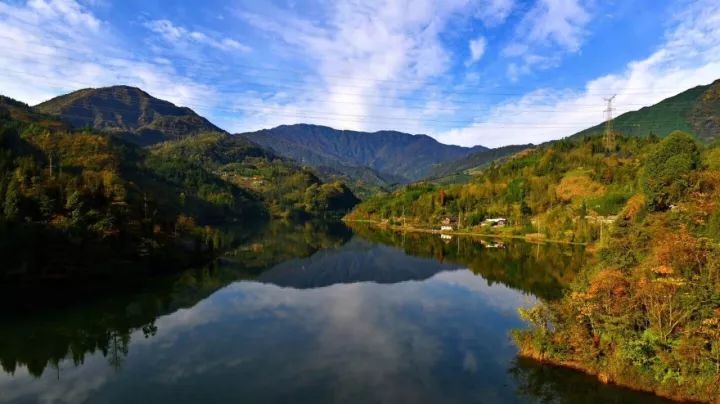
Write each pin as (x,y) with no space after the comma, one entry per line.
(495,221)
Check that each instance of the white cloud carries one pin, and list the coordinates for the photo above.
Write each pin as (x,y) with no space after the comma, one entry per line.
(689,56)
(364,54)
(559,22)
(49,47)
(178,35)
(550,29)
(65,11)
(494,12)
(477,48)
(166,29)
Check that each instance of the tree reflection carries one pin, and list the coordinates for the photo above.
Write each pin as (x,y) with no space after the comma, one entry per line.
(551,384)
(542,270)
(54,328)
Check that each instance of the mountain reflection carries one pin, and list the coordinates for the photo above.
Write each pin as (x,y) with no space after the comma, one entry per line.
(357,261)
(542,270)
(320,299)
(43,335)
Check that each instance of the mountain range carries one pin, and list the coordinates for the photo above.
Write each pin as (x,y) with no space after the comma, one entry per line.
(368,162)
(395,156)
(115,172)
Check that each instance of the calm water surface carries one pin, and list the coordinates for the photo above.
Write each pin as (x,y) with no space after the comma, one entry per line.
(308,314)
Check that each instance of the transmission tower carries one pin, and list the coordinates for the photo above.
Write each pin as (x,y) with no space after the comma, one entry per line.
(609,138)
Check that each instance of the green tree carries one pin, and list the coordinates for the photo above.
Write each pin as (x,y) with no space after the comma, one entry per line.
(11,206)
(665,177)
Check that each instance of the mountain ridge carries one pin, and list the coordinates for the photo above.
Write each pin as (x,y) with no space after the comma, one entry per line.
(695,110)
(369,161)
(318,145)
(127,111)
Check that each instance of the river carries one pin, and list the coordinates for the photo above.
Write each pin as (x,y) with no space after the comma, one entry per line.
(305,313)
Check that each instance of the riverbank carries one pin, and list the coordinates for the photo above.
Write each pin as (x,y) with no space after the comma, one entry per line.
(631,380)
(533,238)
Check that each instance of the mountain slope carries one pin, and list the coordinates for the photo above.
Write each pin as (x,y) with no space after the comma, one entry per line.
(695,111)
(127,111)
(179,138)
(400,156)
(286,188)
(70,199)
(475,160)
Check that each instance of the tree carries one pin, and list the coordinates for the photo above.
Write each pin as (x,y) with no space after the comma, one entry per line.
(11,206)
(665,177)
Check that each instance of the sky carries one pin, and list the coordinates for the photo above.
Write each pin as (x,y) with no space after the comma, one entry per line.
(466,72)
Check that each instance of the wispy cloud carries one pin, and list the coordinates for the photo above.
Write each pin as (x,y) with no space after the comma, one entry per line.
(179,35)
(49,47)
(550,29)
(477,49)
(689,56)
(365,54)
(494,12)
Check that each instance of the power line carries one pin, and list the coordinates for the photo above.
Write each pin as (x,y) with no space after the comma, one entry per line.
(255,107)
(489,125)
(363,118)
(194,63)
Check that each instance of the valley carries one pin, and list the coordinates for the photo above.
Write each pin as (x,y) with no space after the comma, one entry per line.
(116,175)
(342,201)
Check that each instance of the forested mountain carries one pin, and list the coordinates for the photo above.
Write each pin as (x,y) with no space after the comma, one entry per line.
(72,198)
(395,156)
(475,160)
(128,111)
(696,111)
(183,137)
(646,312)
(285,188)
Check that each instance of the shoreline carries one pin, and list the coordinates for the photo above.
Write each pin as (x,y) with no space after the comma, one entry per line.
(413,229)
(608,378)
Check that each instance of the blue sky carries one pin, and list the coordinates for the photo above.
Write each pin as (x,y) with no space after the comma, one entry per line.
(489,72)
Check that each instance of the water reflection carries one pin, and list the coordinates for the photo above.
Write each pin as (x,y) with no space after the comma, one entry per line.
(319,315)
(542,270)
(37,334)
(357,261)
(550,384)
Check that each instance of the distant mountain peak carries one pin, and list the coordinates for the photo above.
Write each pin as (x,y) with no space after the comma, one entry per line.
(129,112)
(392,154)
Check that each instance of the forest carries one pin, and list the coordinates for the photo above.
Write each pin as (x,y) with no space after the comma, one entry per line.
(82,202)
(646,312)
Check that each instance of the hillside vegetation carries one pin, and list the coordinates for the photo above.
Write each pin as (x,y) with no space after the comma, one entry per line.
(696,111)
(474,161)
(561,190)
(395,157)
(71,199)
(128,112)
(286,189)
(647,314)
